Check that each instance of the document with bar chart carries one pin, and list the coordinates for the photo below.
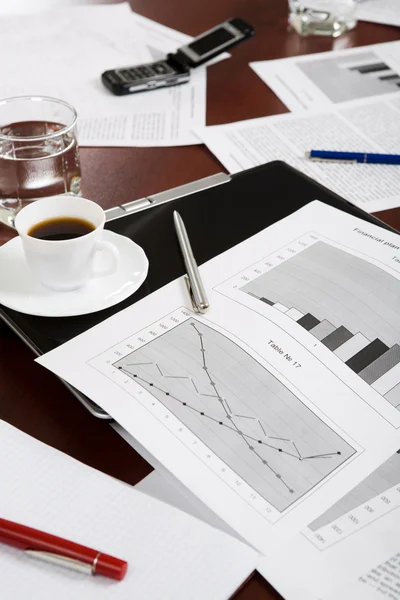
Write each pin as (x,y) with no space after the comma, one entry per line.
(274,404)
(319,80)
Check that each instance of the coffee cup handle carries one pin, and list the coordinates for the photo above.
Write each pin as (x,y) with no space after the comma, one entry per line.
(113,252)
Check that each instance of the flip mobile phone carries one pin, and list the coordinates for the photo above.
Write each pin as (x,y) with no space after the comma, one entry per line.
(175,68)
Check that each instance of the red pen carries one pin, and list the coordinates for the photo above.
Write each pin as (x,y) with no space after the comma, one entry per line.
(56,550)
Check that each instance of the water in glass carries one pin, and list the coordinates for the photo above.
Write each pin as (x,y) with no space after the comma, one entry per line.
(39,156)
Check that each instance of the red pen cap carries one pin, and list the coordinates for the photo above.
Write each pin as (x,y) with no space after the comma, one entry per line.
(111,567)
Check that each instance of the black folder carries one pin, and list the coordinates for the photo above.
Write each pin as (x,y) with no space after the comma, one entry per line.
(219,212)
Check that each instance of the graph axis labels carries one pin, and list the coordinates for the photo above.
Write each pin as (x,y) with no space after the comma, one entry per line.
(239,410)
(372,499)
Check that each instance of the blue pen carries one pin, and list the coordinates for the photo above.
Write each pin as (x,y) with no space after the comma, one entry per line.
(354,157)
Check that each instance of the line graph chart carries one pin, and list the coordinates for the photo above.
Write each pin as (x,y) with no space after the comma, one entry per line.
(247,417)
(376,495)
(347,304)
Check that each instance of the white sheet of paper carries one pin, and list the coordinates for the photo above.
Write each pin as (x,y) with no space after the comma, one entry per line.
(358,532)
(63,52)
(356,510)
(11,7)
(162,485)
(329,78)
(379,11)
(46,48)
(266,469)
(162,39)
(383,581)
(170,554)
(369,126)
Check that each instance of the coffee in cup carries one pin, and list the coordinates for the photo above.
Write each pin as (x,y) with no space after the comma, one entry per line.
(61,236)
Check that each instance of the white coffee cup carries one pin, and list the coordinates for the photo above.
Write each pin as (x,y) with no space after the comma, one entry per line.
(65,264)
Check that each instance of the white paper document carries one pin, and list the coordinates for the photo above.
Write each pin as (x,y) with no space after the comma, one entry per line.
(62,53)
(379,11)
(358,532)
(330,78)
(170,554)
(283,397)
(11,7)
(366,126)
(383,581)
(162,485)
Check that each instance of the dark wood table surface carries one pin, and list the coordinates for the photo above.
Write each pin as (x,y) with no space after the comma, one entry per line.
(31,398)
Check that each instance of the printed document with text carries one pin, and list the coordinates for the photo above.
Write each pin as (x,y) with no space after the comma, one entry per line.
(367,126)
(326,79)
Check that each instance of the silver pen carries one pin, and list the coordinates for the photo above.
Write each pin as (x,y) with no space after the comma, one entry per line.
(193,279)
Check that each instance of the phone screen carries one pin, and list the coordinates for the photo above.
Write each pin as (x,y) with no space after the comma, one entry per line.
(209,42)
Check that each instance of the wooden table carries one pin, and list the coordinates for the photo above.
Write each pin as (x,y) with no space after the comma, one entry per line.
(34,400)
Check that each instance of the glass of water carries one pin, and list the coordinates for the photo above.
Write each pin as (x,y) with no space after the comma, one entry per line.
(322,17)
(38,152)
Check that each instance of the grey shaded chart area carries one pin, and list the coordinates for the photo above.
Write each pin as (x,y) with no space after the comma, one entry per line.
(351,77)
(350,305)
(243,413)
(384,478)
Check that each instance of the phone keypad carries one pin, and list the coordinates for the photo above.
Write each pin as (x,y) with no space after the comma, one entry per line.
(145,71)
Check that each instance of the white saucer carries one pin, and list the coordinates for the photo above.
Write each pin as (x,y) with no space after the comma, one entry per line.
(20,290)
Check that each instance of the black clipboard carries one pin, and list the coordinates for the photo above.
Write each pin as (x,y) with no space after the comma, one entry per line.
(219,212)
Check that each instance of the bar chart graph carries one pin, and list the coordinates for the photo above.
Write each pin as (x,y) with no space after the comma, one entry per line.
(348,304)
(379,70)
(355,76)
